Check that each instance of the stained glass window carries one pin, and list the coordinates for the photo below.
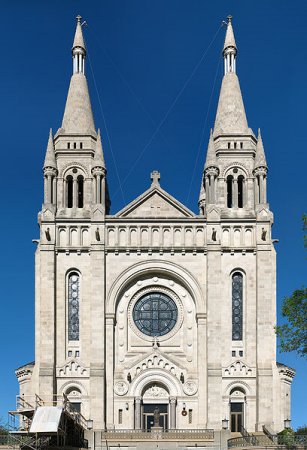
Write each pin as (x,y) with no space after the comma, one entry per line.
(237,306)
(73,306)
(155,314)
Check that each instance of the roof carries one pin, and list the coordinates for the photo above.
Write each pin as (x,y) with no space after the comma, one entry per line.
(78,39)
(78,116)
(230,37)
(50,160)
(230,116)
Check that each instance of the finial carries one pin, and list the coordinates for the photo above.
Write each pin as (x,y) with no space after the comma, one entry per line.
(155,177)
(229,18)
(79,18)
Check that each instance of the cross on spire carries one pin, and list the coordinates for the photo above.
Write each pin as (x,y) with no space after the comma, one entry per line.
(155,177)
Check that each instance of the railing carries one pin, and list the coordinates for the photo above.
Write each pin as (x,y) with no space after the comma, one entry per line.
(290,441)
(159,435)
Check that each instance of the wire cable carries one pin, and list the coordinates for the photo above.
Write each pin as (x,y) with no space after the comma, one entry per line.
(203,129)
(107,131)
(171,106)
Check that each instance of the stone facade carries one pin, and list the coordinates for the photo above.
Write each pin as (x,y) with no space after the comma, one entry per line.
(92,269)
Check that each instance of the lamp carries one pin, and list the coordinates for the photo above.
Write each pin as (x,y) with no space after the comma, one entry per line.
(287,423)
(225,424)
(90,424)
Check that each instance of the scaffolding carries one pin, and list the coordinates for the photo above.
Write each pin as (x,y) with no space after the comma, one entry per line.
(52,422)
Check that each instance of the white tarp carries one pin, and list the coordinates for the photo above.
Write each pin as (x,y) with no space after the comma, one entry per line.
(46,419)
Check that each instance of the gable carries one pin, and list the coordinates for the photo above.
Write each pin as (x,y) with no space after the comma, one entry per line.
(155,203)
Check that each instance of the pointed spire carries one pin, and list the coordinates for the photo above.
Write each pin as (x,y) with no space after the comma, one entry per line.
(50,160)
(230,115)
(260,160)
(211,155)
(230,49)
(230,37)
(99,158)
(78,40)
(78,115)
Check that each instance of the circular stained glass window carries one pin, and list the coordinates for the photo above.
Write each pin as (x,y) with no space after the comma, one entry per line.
(155,314)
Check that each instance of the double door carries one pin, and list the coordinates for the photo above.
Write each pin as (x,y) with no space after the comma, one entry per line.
(149,418)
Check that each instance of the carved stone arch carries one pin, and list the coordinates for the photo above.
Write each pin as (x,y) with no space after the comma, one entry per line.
(71,165)
(236,164)
(71,384)
(168,269)
(240,385)
(155,376)
(237,269)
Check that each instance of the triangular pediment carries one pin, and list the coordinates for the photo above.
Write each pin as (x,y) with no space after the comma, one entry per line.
(155,203)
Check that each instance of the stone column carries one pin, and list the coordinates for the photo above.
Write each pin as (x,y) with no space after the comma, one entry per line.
(172,413)
(235,193)
(208,190)
(261,188)
(45,189)
(54,191)
(103,190)
(49,188)
(75,193)
(137,413)
(212,188)
(202,372)
(110,318)
(264,189)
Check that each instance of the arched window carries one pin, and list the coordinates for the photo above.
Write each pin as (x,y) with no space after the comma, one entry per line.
(237,403)
(80,185)
(75,144)
(69,191)
(237,306)
(229,191)
(74,397)
(240,191)
(73,306)
(68,145)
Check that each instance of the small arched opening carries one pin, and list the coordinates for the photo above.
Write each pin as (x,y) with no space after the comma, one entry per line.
(229,182)
(74,396)
(240,191)
(155,407)
(237,401)
(69,191)
(80,191)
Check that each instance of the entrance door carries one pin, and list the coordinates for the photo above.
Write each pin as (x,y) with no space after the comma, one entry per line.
(148,416)
(236,416)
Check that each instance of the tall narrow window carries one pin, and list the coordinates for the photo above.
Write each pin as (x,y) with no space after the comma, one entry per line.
(229,191)
(80,183)
(69,191)
(237,306)
(240,191)
(73,306)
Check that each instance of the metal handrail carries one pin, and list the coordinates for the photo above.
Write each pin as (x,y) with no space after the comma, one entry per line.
(295,440)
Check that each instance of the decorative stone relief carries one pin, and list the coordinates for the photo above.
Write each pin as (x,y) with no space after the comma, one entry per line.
(155,391)
(238,369)
(120,387)
(72,369)
(190,387)
(156,361)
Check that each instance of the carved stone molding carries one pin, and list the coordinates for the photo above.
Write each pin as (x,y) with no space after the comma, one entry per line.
(120,387)
(238,369)
(190,387)
(72,369)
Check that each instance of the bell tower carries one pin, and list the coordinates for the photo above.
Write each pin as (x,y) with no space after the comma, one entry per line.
(70,256)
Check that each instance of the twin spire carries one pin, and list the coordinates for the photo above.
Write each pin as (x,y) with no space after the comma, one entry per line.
(78,115)
(230,116)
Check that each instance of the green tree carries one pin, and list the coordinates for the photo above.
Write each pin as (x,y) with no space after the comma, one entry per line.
(293,334)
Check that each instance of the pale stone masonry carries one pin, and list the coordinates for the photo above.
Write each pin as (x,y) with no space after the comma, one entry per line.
(156,306)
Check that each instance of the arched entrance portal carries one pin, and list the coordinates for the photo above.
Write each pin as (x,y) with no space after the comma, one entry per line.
(156,408)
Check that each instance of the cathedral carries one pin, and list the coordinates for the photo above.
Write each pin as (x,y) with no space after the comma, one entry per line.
(155,323)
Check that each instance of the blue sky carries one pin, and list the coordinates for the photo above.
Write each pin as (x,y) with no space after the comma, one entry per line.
(157,83)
